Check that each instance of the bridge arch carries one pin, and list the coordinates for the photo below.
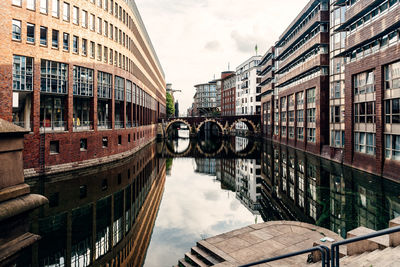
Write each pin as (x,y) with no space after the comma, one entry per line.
(178,121)
(170,151)
(250,125)
(213,121)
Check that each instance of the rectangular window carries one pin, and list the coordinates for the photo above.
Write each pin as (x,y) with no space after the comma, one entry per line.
(83,144)
(30,33)
(66,41)
(17,2)
(99,52)
(84,47)
(104,85)
(43,6)
(105,28)
(291,132)
(75,15)
(55,8)
(105,142)
(92,49)
(335,114)
(75,44)
(392,147)
(300,115)
(300,133)
(43,35)
(54,38)
(99,25)
(111,31)
(22,73)
(364,83)
(392,111)
(364,143)
(119,88)
(311,115)
(16,30)
(392,76)
(92,22)
(311,96)
(31,4)
(105,54)
(66,11)
(54,77)
(364,112)
(84,18)
(54,147)
(300,98)
(83,81)
(311,135)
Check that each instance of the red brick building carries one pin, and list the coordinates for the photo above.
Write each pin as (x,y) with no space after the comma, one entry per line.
(82,76)
(267,71)
(372,86)
(228,93)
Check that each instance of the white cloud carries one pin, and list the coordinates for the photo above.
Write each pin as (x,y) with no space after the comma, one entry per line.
(196,39)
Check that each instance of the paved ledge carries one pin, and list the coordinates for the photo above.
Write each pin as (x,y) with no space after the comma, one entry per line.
(29,173)
(266,240)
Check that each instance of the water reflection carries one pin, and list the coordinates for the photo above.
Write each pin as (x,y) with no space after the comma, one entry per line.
(102,216)
(113,215)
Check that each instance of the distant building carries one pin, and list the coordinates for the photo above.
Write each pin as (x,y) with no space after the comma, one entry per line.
(247,89)
(205,99)
(176,109)
(228,93)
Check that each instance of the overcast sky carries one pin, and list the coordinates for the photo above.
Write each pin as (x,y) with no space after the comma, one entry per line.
(197,39)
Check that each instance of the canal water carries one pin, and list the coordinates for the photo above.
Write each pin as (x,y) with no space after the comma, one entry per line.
(150,209)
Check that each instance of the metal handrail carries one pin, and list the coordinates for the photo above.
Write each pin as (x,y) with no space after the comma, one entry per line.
(323,249)
(335,246)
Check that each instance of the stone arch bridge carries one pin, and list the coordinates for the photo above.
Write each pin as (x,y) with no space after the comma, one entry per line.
(225,124)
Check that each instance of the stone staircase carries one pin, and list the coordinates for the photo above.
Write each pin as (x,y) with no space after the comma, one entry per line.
(381,251)
(202,255)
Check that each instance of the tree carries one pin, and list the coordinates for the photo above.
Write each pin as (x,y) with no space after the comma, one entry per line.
(170,105)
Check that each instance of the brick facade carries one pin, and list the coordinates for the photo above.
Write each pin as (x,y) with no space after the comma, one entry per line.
(129,55)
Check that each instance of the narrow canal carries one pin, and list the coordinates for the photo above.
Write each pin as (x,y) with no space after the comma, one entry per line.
(150,209)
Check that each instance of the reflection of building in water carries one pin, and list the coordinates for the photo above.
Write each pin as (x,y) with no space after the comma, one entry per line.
(248,173)
(103,218)
(299,186)
(206,166)
(228,177)
(241,143)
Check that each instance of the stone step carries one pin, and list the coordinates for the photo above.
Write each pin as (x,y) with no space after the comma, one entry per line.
(214,251)
(368,245)
(394,239)
(204,256)
(194,260)
(183,263)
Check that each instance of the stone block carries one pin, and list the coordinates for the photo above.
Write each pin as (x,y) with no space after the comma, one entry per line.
(365,245)
(394,239)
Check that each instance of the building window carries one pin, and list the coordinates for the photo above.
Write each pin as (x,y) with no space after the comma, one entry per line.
(22,73)
(84,47)
(91,22)
(52,112)
(55,8)
(364,112)
(336,90)
(392,147)
(17,2)
(75,15)
(300,133)
(300,98)
(66,11)
(83,81)
(119,88)
(54,77)
(83,144)
(31,4)
(105,54)
(105,142)
(54,147)
(311,96)
(30,33)
(335,114)
(82,191)
(300,115)
(291,132)
(66,41)
(92,49)
(119,140)
(99,52)
(392,76)
(291,116)
(337,138)
(99,25)
(311,115)
(75,44)
(311,135)
(16,30)
(84,18)
(43,35)
(283,131)
(104,85)
(81,113)
(43,6)
(392,111)
(54,38)
(364,83)
(106,28)
(364,143)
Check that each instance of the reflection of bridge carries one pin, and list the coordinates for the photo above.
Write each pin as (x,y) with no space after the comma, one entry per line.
(225,124)
(199,149)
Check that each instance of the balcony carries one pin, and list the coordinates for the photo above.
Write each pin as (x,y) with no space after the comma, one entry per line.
(83,126)
(53,126)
